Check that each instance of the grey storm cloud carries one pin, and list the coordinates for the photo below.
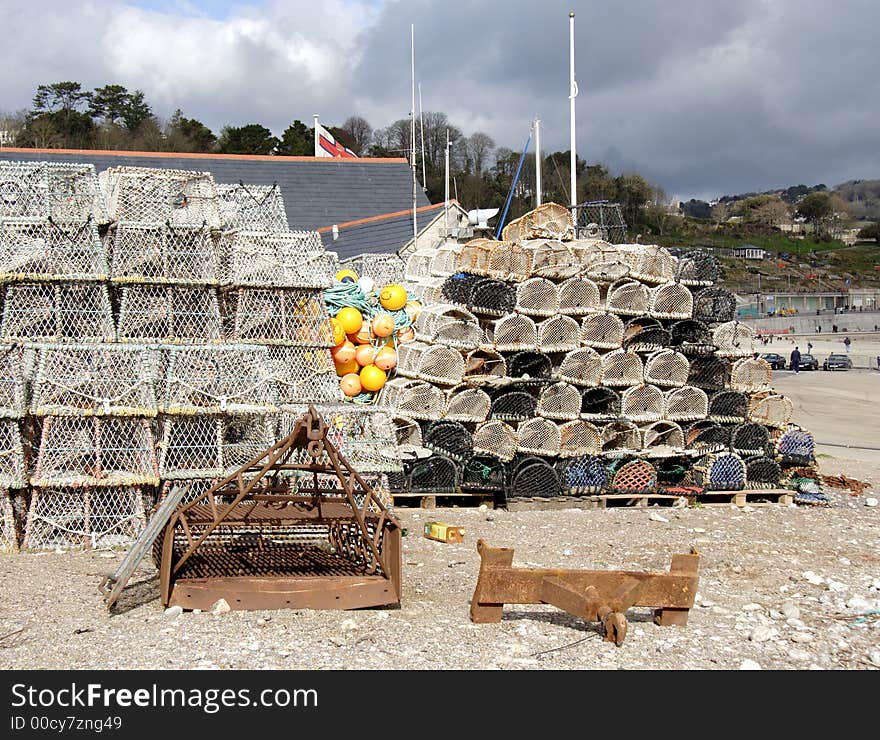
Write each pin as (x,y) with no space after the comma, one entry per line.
(703,98)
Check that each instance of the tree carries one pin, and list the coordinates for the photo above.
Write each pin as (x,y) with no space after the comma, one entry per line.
(720,212)
(109,103)
(135,111)
(298,140)
(633,194)
(359,132)
(817,209)
(596,183)
(479,148)
(252,138)
(188,135)
(57,106)
(63,96)
(871,231)
(767,210)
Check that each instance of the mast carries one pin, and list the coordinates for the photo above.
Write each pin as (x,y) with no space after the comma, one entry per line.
(446,194)
(572,95)
(317,144)
(537,161)
(412,116)
(422,135)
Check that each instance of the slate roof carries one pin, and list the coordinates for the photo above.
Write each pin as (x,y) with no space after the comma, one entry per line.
(317,191)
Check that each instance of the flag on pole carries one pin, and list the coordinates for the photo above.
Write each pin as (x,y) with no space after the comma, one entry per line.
(327,146)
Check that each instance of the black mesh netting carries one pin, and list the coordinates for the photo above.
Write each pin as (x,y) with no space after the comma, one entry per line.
(749,439)
(398,482)
(645,334)
(763,471)
(449,438)
(533,476)
(709,373)
(529,364)
(796,447)
(513,405)
(697,267)
(600,402)
(707,435)
(491,298)
(583,475)
(483,473)
(672,471)
(714,305)
(457,288)
(436,473)
(729,406)
(691,337)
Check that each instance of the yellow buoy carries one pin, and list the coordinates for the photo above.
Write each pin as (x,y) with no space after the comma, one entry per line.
(372,378)
(344,368)
(351,319)
(347,276)
(338,332)
(393,297)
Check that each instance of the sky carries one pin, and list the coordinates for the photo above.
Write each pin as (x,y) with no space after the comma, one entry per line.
(703,98)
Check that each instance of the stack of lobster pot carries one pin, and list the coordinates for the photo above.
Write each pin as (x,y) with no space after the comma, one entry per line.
(544,364)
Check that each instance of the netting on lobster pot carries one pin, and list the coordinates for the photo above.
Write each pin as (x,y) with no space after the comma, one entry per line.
(464,403)
(627,298)
(303,374)
(155,313)
(279,316)
(650,263)
(407,431)
(287,259)
(471,257)
(582,367)
(58,312)
(583,476)
(252,207)
(512,333)
(691,338)
(697,267)
(491,298)
(558,334)
(600,403)
(553,259)
(432,363)
(714,305)
(428,290)
(528,365)
(734,339)
(622,368)
(15,364)
(642,403)
(457,287)
(513,405)
(560,401)
(751,374)
(762,472)
(510,261)
(244,437)
(483,365)
(706,435)
(533,477)
(620,437)
(13,466)
(51,250)
(539,437)
(537,297)
(162,253)
(749,439)
(602,331)
(496,438)
(418,264)
(728,407)
(437,473)
(578,438)
(547,221)
(445,260)
(686,404)
(8,528)
(602,262)
(667,368)
(189,447)
(662,439)
(796,446)
(578,296)
(483,473)
(645,334)
(449,438)
(635,476)
(451,325)
(709,373)
(725,471)
(671,301)
(771,410)
(40,190)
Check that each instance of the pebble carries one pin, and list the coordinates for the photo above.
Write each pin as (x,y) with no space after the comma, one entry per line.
(845,561)
(837,587)
(172,612)
(699,530)
(858,604)
(762,633)
(348,625)
(490,517)
(752,607)
(107,555)
(871,501)
(874,657)
(221,606)
(566,553)
(483,508)
(811,577)
(790,610)
(749,665)
(655,517)
(799,655)
(802,637)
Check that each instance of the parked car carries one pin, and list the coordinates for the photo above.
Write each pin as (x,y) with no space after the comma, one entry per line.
(777,362)
(837,362)
(808,362)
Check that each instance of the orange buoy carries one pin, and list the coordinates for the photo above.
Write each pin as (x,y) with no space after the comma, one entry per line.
(351,319)
(344,352)
(372,378)
(362,337)
(386,358)
(350,384)
(393,297)
(407,334)
(344,368)
(382,325)
(338,332)
(364,354)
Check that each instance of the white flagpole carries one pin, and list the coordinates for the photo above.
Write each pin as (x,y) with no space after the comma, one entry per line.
(422,127)
(446,196)
(317,145)
(537,161)
(573,92)
(412,30)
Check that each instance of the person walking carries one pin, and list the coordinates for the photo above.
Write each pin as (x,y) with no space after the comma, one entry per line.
(809,348)
(846,343)
(795,359)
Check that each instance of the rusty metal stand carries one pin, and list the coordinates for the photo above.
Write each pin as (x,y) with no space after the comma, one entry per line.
(593,595)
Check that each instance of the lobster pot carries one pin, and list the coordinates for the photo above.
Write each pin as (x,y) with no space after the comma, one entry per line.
(389,266)
(457,288)
(49,250)
(161,195)
(483,365)
(600,403)
(585,475)
(302,374)
(725,471)
(413,398)
(709,373)
(771,410)
(449,438)
(161,253)
(483,473)
(602,331)
(559,401)
(645,334)
(670,301)
(451,325)
(553,259)
(533,477)
(620,437)
(627,298)
(714,305)
(211,380)
(491,298)
(418,264)
(558,334)
(650,263)
(582,367)
(762,472)
(667,368)
(8,530)
(728,407)
(287,259)
(95,380)
(751,374)
(169,315)
(796,446)
(58,312)
(601,261)
(510,261)
(691,338)
(706,435)
(513,405)
(445,259)
(577,438)
(685,404)
(495,438)
(80,451)
(696,268)
(279,316)
(13,467)
(749,439)
(578,296)
(512,333)
(621,368)
(41,190)
(467,404)
(13,383)
(436,474)
(251,207)
(431,363)
(190,447)
(662,439)
(474,257)
(537,297)
(642,403)
(636,476)
(547,221)
(528,365)
(88,518)
(245,436)
(407,433)
(538,437)
(428,290)
(734,339)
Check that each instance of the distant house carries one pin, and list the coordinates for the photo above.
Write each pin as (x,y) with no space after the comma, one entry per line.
(7,137)
(750,252)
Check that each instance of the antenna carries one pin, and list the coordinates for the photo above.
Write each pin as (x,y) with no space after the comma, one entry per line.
(446,194)
(573,93)
(412,31)
(537,128)
(422,126)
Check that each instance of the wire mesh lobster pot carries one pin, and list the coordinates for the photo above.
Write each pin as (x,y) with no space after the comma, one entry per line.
(288,259)
(445,260)
(583,476)
(706,435)
(771,410)
(279,316)
(762,472)
(667,368)
(709,373)
(168,314)
(644,334)
(577,438)
(697,267)
(457,288)
(473,257)
(622,368)
(642,403)
(47,250)
(58,312)
(734,339)
(211,380)
(13,464)
(389,266)
(751,374)
(160,195)
(88,518)
(302,374)
(602,331)
(495,438)
(685,404)
(407,431)
(714,305)
(558,334)
(95,380)
(650,263)
(512,333)
(749,439)
(578,296)
(244,437)
(627,298)
(510,261)
(435,474)
(553,259)
(513,405)
(491,298)
(600,403)
(796,446)
(533,477)
(635,476)
(91,451)
(450,325)
(670,301)
(547,221)
(251,207)
(560,401)
(529,365)
(8,528)
(162,253)
(662,439)
(483,365)
(620,437)
(364,435)
(539,436)
(41,190)
(601,261)
(190,447)
(412,398)
(483,473)
(582,367)
(449,438)
(537,297)
(728,407)
(467,404)
(725,471)
(691,338)
(14,362)
(433,363)
(418,264)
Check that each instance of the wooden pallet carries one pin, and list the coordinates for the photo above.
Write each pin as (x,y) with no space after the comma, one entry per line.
(598,501)
(750,497)
(433,500)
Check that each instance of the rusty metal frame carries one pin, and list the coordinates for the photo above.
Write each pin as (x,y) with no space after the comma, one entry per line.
(593,595)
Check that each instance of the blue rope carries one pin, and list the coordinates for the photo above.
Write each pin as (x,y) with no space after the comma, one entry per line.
(513,187)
